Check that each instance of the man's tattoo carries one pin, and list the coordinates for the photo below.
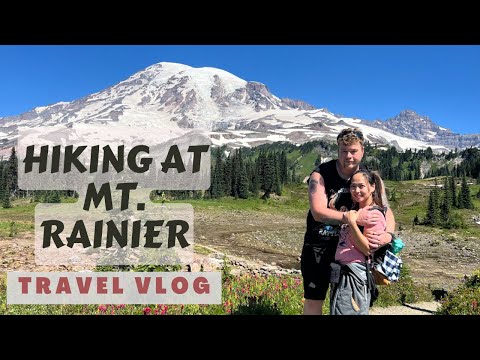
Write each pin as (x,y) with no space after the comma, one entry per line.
(312,186)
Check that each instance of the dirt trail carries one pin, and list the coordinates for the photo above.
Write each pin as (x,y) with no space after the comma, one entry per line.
(422,308)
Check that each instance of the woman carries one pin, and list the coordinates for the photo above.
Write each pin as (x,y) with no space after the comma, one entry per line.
(349,290)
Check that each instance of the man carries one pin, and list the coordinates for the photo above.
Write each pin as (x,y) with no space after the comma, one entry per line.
(329,196)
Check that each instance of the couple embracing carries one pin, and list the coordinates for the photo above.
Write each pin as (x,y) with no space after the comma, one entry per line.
(348,219)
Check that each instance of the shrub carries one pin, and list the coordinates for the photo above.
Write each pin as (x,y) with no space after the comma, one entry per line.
(464,299)
(227,275)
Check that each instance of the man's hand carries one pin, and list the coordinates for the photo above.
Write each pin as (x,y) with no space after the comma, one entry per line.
(377,239)
(366,217)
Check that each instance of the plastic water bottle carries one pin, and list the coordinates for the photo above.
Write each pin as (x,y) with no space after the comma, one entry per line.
(397,245)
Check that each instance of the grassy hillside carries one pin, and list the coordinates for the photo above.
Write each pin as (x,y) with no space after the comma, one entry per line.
(412,199)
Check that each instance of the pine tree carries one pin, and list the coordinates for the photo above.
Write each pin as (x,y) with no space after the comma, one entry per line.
(55,197)
(254,182)
(217,188)
(242,177)
(260,165)
(284,167)
(6,200)
(277,185)
(453,191)
(269,173)
(13,173)
(460,204)
(235,174)
(465,191)
(6,193)
(446,202)
(2,181)
(37,196)
(416,221)
(432,215)
(228,176)
(417,170)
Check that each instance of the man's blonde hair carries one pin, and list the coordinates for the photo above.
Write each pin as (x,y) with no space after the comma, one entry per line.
(350,136)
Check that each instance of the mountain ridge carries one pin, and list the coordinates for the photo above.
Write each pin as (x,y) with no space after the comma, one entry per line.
(235,111)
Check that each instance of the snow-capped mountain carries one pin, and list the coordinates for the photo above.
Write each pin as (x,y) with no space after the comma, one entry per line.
(236,112)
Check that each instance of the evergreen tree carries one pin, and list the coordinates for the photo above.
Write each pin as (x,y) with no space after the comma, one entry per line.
(460,204)
(390,172)
(446,202)
(37,195)
(6,200)
(277,185)
(417,170)
(242,177)
(2,181)
(55,196)
(261,164)
(432,217)
(269,174)
(235,173)
(6,193)
(217,188)
(465,194)
(453,191)
(254,181)
(228,176)
(284,167)
(12,182)
(46,196)
(416,221)
(429,153)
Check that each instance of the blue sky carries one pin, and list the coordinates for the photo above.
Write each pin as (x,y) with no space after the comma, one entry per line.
(369,82)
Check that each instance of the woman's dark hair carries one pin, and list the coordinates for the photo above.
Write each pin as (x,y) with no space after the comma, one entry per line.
(374,178)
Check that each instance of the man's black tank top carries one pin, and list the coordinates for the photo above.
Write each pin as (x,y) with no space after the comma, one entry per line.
(338,197)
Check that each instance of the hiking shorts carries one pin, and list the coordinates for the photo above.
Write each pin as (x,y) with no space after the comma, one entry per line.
(315,266)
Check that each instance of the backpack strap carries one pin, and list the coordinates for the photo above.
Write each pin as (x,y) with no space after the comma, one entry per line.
(383,210)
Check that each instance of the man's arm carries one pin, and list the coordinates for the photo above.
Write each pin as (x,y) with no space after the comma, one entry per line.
(318,202)
(390,221)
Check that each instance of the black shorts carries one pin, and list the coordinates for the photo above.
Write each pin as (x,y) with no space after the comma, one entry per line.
(315,265)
